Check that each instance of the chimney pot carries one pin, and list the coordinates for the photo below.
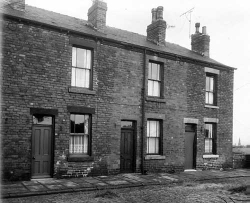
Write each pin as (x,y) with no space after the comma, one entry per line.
(204,30)
(197,26)
(159,12)
(154,12)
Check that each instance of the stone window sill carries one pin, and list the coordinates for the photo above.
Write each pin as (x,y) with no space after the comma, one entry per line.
(155,99)
(81,90)
(211,107)
(79,158)
(210,156)
(154,157)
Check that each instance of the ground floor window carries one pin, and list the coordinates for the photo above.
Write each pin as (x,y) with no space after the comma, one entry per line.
(210,138)
(153,137)
(79,133)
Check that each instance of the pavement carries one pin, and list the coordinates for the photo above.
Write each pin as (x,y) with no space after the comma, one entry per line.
(37,187)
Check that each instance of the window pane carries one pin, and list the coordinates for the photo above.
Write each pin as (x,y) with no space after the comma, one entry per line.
(157,146)
(71,144)
(80,77)
(150,88)
(126,124)
(211,85)
(88,59)
(155,71)
(87,76)
(79,123)
(151,145)
(153,129)
(73,77)
(211,98)
(72,123)
(85,144)
(81,58)
(207,98)
(73,56)
(150,71)
(208,145)
(86,124)
(42,120)
(209,130)
(78,144)
(156,88)
(207,84)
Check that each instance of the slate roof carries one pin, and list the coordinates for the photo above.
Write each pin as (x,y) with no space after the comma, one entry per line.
(66,22)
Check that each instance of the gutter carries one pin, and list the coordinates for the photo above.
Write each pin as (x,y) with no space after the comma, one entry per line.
(165,54)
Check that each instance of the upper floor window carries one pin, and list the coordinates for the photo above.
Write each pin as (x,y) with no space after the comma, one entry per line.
(154,79)
(79,134)
(153,136)
(81,67)
(210,138)
(211,89)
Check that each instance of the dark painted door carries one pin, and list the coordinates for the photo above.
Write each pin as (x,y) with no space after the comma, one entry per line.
(41,151)
(189,147)
(127,150)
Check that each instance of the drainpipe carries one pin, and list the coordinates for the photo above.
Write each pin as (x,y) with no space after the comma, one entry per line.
(143,112)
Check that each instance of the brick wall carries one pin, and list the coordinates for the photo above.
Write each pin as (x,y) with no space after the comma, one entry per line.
(37,74)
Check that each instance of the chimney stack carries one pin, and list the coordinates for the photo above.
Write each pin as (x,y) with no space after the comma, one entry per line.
(200,42)
(156,31)
(16,4)
(97,14)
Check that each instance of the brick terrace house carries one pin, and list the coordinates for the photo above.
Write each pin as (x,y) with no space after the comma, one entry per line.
(82,98)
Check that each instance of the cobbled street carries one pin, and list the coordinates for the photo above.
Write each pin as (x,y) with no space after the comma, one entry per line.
(217,191)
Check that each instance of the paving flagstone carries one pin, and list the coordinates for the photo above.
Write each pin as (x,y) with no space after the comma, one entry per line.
(53,186)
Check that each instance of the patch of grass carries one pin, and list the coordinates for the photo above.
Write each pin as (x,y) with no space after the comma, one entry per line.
(240,189)
(106,194)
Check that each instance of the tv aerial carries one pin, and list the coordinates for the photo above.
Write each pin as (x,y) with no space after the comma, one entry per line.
(188,17)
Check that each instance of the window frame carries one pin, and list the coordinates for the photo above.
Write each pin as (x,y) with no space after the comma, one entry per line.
(161,65)
(160,137)
(214,138)
(215,87)
(91,66)
(88,154)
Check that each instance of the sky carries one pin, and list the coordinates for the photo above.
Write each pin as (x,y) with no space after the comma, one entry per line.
(227,22)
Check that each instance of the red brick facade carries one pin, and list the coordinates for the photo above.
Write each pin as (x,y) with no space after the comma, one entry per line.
(36,74)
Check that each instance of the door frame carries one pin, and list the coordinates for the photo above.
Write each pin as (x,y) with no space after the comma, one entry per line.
(52,143)
(134,140)
(194,126)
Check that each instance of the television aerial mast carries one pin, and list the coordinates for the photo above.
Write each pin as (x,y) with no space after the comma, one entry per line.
(188,16)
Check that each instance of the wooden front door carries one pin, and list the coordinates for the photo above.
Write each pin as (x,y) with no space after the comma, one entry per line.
(190,147)
(41,151)
(127,150)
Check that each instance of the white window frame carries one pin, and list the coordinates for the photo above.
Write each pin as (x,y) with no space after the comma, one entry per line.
(81,71)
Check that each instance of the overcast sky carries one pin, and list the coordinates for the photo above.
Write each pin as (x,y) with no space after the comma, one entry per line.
(227,21)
